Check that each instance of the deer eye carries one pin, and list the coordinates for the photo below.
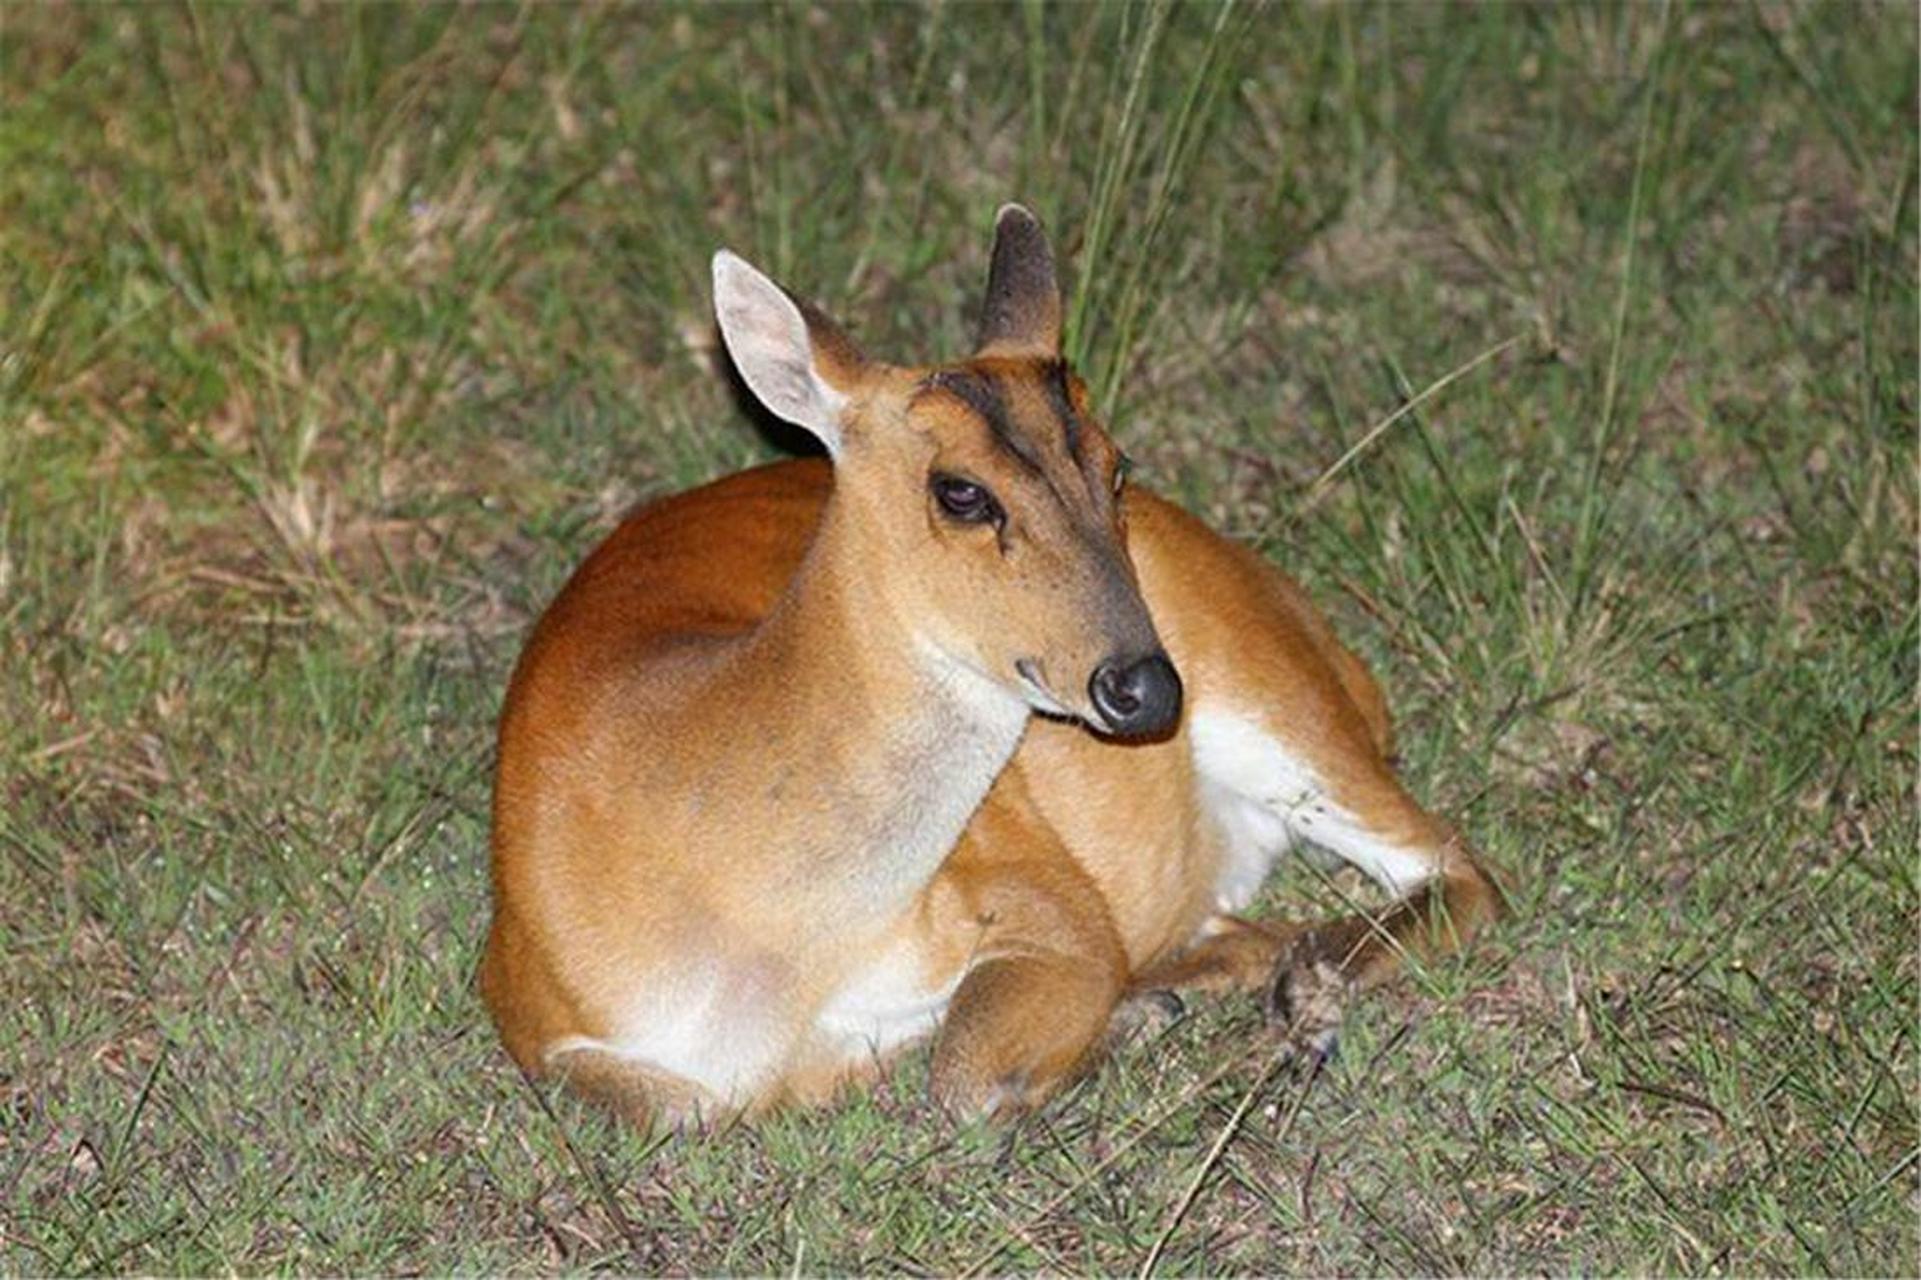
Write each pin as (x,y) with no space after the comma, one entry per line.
(966,501)
(1122,469)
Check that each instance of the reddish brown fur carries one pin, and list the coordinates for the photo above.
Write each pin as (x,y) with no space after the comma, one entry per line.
(692,858)
(1012,886)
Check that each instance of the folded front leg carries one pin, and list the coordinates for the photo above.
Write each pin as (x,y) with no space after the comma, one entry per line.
(1046,967)
(1231,954)
(1020,1028)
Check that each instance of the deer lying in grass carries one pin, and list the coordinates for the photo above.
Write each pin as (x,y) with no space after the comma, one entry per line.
(774,799)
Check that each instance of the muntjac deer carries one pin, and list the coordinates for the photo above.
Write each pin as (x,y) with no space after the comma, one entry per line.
(960,735)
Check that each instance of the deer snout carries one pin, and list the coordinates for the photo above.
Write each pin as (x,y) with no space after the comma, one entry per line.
(1136,697)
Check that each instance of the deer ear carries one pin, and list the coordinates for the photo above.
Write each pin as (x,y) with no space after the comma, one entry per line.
(1022,314)
(792,357)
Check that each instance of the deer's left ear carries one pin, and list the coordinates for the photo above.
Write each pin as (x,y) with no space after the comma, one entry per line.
(1022,314)
(794,359)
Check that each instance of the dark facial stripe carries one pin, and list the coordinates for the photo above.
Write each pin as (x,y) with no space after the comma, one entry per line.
(1054,378)
(982,394)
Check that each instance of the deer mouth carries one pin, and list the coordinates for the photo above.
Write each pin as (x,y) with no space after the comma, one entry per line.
(1039,696)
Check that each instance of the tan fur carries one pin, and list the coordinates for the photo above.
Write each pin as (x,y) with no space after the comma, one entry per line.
(722,749)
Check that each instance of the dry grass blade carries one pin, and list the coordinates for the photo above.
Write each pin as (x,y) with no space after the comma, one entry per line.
(1226,1135)
(1322,482)
(591,1171)
(1024,1229)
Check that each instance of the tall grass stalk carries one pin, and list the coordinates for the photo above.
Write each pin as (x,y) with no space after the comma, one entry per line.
(1588,524)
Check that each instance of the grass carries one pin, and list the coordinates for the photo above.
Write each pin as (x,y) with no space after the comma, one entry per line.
(333,338)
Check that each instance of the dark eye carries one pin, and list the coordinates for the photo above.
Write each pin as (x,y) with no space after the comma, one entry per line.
(1122,469)
(965,501)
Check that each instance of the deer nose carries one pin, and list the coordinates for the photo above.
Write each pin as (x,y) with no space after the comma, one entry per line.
(1136,697)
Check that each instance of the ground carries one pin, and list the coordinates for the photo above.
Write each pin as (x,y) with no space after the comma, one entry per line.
(1568,355)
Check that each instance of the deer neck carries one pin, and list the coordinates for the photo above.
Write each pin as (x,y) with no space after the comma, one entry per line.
(892,742)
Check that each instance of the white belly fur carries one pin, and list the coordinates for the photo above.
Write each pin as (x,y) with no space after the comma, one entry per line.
(715,1026)
(729,1029)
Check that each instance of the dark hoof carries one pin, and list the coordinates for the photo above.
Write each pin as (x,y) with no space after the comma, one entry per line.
(1305,1006)
(1145,1013)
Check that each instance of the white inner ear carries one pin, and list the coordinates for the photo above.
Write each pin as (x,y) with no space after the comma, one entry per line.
(767,337)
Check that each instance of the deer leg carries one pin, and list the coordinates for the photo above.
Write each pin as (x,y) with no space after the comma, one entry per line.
(1343,798)
(1046,970)
(635,1093)
(1445,898)
(1231,954)
(1021,1028)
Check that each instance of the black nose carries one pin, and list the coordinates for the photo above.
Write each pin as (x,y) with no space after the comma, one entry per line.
(1137,697)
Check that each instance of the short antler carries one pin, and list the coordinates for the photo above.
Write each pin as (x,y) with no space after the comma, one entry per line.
(1022,314)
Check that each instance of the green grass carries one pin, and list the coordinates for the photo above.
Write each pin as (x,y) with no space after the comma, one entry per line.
(330,340)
